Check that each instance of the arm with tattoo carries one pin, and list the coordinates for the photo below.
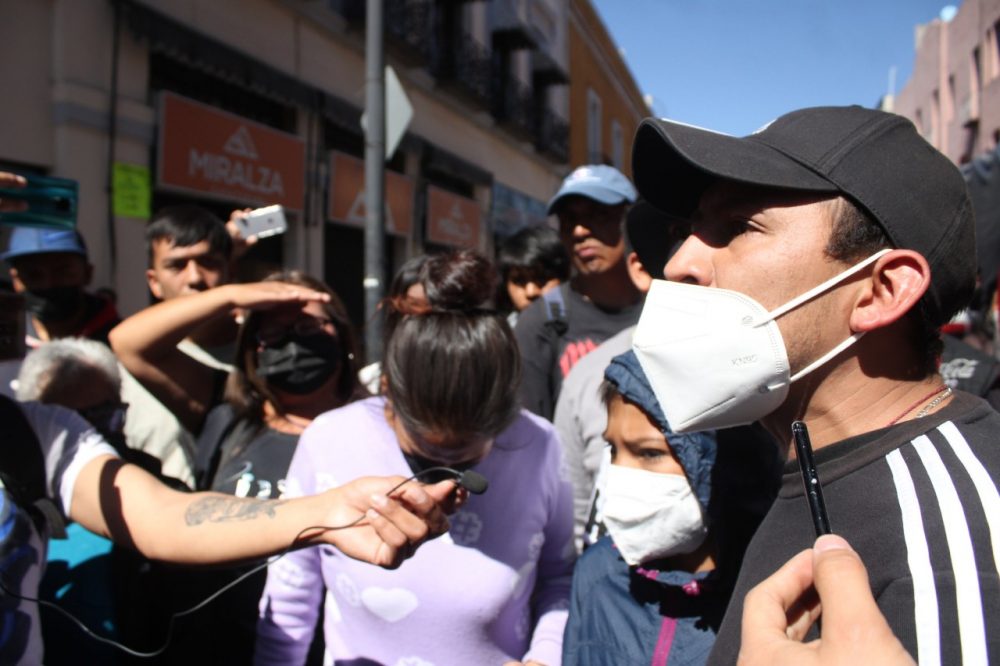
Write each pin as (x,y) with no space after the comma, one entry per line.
(220,509)
(133,508)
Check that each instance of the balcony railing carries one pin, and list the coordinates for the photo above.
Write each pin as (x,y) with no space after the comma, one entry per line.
(552,137)
(513,104)
(410,23)
(472,68)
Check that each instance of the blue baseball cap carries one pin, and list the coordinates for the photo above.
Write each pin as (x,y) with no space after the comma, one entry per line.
(600,182)
(25,241)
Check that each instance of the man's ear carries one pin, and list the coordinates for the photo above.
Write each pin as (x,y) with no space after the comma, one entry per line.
(154,284)
(898,281)
(637,273)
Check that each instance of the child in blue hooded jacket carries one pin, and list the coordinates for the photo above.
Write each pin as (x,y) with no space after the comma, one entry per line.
(679,510)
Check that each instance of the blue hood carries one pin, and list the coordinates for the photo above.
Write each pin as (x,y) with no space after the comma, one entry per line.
(695,450)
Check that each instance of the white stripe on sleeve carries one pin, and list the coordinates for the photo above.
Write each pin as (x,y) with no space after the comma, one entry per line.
(971,626)
(985,486)
(925,604)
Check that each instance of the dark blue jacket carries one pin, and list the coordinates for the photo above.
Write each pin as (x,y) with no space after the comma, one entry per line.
(631,616)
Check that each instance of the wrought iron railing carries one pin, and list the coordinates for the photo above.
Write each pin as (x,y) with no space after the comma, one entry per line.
(553,135)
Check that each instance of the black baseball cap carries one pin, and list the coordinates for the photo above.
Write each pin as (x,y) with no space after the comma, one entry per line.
(876,159)
(653,235)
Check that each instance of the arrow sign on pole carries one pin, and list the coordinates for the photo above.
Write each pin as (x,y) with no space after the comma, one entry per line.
(398,112)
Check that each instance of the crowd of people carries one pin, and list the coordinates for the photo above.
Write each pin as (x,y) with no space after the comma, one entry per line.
(625,382)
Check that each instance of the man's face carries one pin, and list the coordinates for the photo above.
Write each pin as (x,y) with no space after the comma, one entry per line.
(48,270)
(178,271)
(592,234)
(768,245)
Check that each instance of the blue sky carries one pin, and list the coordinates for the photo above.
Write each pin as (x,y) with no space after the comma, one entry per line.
(734,65)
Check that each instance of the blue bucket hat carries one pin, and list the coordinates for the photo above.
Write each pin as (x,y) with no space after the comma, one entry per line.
(695,450)
(600,182)
(25,241)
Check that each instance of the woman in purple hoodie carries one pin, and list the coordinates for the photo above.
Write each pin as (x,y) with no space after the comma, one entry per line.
(495,589)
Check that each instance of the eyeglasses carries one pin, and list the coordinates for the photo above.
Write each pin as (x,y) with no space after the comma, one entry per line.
(271,334)
(108,418)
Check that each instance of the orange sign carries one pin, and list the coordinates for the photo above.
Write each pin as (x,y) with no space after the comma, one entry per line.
(347,195)
(208,151)
(451,219)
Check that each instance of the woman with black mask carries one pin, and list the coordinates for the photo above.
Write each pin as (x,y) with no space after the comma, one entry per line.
(295,359)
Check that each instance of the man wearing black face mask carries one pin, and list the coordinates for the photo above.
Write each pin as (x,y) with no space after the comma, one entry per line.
(50,268)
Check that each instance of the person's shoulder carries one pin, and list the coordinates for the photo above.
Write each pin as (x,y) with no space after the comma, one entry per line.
(599,562)
(527,429)
(46,417)
(596,361)
(532,317)
(358,413)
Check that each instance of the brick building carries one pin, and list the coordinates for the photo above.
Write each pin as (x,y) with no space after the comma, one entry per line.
(953,96)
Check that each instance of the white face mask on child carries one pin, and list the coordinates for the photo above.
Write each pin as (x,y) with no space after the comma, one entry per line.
(651,515)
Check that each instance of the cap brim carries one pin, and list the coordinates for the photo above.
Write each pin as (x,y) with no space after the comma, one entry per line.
(604,195)
(673,164)
(7,256)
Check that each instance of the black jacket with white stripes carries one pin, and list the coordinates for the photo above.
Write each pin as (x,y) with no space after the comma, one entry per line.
(919,503)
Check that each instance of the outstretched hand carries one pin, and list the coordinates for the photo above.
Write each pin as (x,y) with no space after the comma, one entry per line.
(778,613)
(267,295)
(391,528)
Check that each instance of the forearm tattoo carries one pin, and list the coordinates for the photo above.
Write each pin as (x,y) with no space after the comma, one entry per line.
(229,509)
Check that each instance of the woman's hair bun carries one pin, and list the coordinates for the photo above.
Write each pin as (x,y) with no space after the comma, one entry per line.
(459,280)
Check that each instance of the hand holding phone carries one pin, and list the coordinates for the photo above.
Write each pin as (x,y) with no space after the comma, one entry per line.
(38,201)
(262,222)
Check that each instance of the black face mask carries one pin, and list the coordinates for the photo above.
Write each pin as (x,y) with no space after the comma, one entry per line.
(418,464)
(54,304)
(299,364)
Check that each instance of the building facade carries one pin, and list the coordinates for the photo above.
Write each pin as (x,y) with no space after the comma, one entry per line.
(953,95)
(237,103)
(605,104)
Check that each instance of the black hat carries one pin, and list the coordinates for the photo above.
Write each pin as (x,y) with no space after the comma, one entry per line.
(653,235)
(876,159)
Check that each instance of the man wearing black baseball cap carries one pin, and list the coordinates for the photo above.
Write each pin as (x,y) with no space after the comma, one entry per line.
(827,250)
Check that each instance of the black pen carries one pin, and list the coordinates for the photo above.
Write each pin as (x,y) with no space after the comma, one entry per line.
(810,480)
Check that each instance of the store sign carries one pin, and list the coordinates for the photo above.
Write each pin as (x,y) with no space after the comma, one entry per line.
(347,195)
(211,152)
(452,220)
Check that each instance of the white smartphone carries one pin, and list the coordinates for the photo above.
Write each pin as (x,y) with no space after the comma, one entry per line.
(263,222)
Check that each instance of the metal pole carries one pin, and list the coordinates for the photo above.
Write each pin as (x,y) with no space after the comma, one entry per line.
(374,177)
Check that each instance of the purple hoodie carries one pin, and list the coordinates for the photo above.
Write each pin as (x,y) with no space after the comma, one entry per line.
(495,588)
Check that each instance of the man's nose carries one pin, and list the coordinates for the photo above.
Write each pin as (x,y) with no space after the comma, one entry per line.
(192,273)
(531,291)
(692,263)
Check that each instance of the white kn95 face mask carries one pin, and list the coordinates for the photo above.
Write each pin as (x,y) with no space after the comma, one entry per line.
(715,357)
(651,515)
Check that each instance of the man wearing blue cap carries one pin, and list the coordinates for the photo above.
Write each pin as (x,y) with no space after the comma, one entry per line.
(599,300)
(50,268)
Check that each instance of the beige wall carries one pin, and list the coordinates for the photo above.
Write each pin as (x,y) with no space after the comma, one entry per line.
(62,79)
